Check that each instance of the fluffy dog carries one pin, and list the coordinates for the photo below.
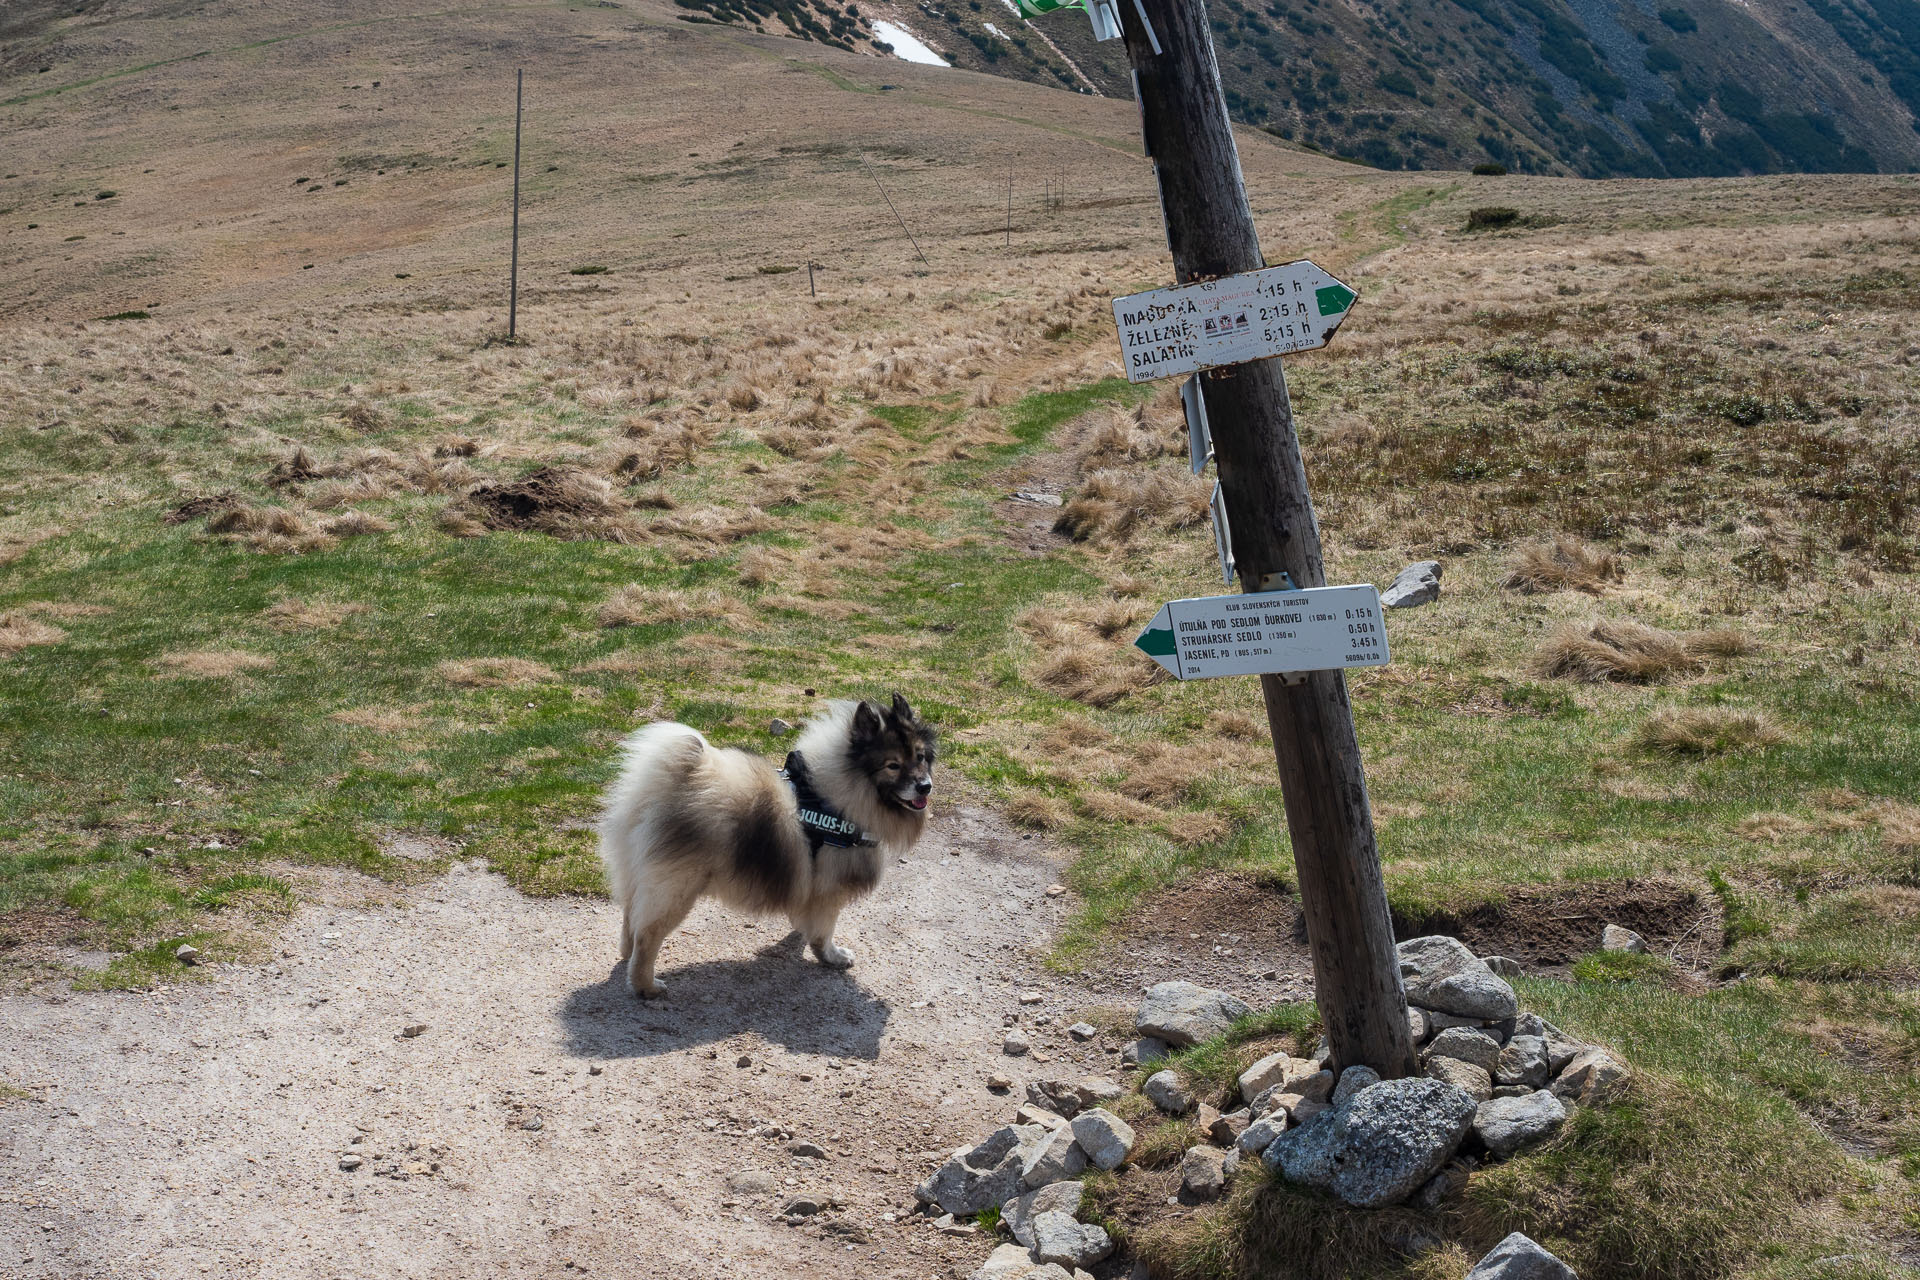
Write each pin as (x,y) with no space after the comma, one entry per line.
(686,818)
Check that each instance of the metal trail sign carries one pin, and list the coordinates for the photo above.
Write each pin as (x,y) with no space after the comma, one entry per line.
(1251,316)
(1268,633)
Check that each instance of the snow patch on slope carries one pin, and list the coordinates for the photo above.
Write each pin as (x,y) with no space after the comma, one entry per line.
(907,46)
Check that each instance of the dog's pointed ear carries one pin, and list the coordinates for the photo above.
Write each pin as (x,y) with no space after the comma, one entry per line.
(866,723)
(902,711)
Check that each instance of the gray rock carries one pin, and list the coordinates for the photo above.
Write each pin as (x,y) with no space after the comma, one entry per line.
(750,1182)
(1379,1146)
(1276,1069)
(1227,1129)
(1476,1081)
(1019,1212)
(1518,1258)
(1441,1021)
(1561,1049)
(988,1174)
(350,1162)
(810,1150)
(1419,1024)
(1203,1173)
(1006,1262)
(1306,1109)
(1523,1061)
(1097,1089)
(1434,1192)
(779,728)
(1466,1044)
(1530,1024)
(1417,584)
(1030,1114)
(1057,1096)
(1182,1013)
(1505,1125)
(1015,1044)
(1592,1077)
(1055,1160)
(1083,1031)
(1104,1136)
(1511,1090)
(804,1205)
(1352,1081)
(1259,1135)
(1164,1090)
(1449,978)
(1503,965)
(1144,1050)
(187,953)
(1619,938)
(1204,1117)
(1058,1239)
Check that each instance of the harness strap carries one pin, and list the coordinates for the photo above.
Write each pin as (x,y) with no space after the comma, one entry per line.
(823,823)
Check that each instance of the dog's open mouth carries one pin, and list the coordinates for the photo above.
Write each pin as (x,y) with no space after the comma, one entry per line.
(912,802)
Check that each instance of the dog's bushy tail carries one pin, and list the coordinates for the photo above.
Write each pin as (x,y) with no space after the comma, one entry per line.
(651,759)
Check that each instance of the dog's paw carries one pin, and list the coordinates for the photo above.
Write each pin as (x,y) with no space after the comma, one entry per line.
(834,957)
(651,992)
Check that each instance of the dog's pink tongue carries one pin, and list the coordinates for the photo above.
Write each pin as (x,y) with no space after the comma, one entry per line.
(918,802)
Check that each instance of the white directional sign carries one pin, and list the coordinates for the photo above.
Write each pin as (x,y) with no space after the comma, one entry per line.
(1269,312)
(1268,632)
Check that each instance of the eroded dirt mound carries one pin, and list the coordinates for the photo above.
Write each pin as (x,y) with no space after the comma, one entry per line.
(1548,927)
(564,500)
(1233,929)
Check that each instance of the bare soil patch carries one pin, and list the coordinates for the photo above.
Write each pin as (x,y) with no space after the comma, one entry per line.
(1230,930)
(545,1122)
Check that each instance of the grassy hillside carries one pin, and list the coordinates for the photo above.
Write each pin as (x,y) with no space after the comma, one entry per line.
(302,564)
(1602,88)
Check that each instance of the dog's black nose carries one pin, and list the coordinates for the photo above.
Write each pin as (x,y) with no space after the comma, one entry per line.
(923,787)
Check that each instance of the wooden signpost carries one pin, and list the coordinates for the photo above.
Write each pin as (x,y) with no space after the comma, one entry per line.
(1273,539)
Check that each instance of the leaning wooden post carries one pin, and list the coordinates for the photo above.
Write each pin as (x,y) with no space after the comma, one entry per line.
(513,272)
(1275,542)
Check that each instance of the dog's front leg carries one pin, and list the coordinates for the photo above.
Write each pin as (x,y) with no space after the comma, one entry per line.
(816,925)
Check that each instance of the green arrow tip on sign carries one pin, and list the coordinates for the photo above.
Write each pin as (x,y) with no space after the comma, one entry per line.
(1156,642)
(1334,299)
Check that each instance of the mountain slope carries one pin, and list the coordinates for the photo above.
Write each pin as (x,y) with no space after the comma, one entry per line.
(1600,88)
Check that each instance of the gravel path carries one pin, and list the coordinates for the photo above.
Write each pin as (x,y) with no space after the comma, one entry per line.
(544,1123)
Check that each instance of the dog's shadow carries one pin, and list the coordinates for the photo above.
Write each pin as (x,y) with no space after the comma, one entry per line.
(780,995)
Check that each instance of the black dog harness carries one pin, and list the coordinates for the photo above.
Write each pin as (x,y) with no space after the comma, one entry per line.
(820,820)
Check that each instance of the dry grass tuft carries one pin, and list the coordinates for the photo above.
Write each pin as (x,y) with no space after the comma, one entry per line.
(1721,642)
(213,664)
(489,673)
(1565,564)
(1163,774)
(645,606)
(352,524)
(1707,731)
(63,610)
(18,631)
(1233,724)
(1111,806)
(1190,828)
(308,615)
(759,567)
(380,719)
(458,523)
(1630,653)
(1116,504)
(1037,811)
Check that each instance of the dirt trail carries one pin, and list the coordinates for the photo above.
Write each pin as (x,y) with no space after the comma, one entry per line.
(200,1130)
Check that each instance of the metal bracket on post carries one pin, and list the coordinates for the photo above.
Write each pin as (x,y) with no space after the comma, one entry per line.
(1281,580)
(1106,21)
(1152,40)
(1222,536)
